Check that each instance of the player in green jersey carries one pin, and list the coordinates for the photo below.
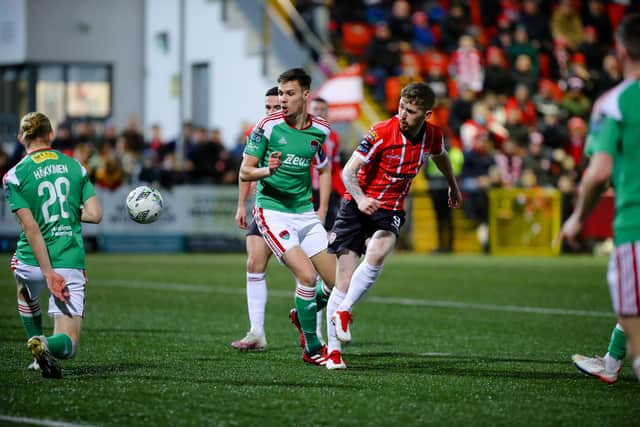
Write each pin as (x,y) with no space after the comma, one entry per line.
(614,132)
(51,194)
(279,154)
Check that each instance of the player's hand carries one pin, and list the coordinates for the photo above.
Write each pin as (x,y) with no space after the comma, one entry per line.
(570,231)
(57,286)
(275,160)
(241,217)
(368,205)
(455,197)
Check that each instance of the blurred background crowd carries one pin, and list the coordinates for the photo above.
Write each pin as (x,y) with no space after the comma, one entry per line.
(515,82)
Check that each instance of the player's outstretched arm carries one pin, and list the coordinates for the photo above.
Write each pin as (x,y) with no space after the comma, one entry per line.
(249,170)
(55,282)
(91,210)
(324,175)
(350,178)
(444,164)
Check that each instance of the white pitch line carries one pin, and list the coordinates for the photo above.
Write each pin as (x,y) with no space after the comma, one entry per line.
(414,302)
(39,422)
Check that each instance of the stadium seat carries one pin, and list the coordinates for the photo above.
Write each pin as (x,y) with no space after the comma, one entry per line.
(392,87)
(355,38)
(545,65)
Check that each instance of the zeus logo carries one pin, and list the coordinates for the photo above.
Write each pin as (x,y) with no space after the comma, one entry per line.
(294,160)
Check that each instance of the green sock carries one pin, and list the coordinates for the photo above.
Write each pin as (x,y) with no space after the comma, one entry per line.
(617,344)
(31,317)
(32,325)
(322,295)
(60,346)
(307,310)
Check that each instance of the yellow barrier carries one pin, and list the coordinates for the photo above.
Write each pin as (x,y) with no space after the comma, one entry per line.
(524,221)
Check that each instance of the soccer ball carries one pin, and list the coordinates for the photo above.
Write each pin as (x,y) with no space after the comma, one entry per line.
(144,204)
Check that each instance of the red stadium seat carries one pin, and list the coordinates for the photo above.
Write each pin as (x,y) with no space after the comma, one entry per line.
(355,38)
(545,65)
(392,87)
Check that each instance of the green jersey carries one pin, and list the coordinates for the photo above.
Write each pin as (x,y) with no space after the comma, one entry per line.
(53,186)
(614,129)
(289,188)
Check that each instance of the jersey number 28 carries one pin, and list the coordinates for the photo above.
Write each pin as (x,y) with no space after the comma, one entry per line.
(56,192)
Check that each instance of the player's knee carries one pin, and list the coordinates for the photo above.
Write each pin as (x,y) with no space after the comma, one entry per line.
(256,264)
(308,279)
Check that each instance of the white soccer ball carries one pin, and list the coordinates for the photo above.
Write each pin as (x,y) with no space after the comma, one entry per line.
(144,204)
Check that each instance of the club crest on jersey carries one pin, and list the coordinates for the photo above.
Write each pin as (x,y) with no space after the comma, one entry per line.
(314,146)
(46,155)
(284,234)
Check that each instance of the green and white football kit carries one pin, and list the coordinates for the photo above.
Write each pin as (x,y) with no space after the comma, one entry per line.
(53,187)
(614,129)
(283,209)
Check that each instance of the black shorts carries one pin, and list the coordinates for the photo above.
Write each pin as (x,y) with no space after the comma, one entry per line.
(352,228)
(252,229)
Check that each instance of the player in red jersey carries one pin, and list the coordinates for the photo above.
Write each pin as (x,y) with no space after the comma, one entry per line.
(378,177)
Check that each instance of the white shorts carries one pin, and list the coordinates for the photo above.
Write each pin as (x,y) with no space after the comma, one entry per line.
(283,231)
(32,279)
(623,277)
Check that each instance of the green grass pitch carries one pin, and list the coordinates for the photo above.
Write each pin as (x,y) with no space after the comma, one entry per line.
(440,340)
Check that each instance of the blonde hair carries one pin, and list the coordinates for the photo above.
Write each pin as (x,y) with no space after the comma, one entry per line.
(35,125)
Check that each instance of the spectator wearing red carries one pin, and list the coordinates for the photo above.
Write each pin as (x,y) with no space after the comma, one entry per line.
(466,64)
(577,135)
(521,101)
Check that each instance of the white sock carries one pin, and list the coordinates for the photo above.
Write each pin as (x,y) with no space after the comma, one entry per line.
(363,278)
(611,364)
(319,321)
(256,300)
(336,298)
(636,366)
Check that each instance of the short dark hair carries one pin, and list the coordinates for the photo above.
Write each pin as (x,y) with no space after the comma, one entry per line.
(419,93)
(272,92)
(320,99)
(628,33)
(296,74)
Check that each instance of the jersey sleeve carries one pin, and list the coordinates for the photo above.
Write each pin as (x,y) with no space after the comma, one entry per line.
(256,145)
(13,193)
(321,160)
(437,144)
(604,126)
(88,189)
(369,145)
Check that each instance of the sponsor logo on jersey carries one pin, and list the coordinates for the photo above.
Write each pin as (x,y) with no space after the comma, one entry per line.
(294,160)
(256,135)
(314,146)
(371,136)
(45,155)
(364,146)
(284,234)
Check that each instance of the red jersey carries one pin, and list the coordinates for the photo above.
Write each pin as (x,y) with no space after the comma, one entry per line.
(332,150)
(392,161)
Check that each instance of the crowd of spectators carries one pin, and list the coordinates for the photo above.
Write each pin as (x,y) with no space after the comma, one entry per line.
(515,80)
(115,157)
